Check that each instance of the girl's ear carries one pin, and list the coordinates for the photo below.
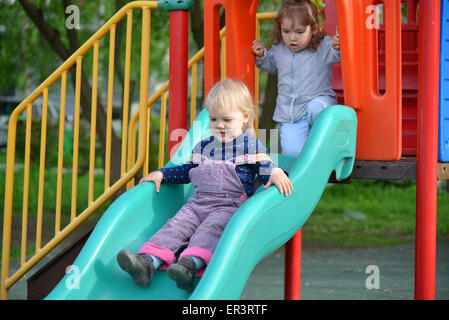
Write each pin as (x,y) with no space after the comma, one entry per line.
(315,29)
(246,117)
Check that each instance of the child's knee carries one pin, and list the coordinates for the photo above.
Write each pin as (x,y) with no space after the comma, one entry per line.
(315,107)
(293,148)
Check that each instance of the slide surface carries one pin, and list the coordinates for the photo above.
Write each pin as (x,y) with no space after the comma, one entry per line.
(260,226)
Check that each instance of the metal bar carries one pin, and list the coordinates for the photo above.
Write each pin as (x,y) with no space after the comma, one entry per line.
(162,130)
(223,58)
(193,90)
(146,142)
(256,84)
(147,158)
(266,15)
(40,196)
(107,167)
(292,287)
(93,124)
(177,117)
(427,168)
(129,25)
(26,183)
(76,129)
(60,153)
(132,146)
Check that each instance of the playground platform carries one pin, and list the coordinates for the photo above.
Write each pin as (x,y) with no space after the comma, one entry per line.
(331,274)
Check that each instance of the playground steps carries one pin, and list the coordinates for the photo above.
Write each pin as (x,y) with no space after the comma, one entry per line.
(46,278)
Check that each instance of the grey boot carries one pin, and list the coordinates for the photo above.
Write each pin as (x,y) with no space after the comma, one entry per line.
(183,273)
(141,268)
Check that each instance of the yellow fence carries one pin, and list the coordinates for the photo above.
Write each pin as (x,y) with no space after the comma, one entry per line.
(130,166)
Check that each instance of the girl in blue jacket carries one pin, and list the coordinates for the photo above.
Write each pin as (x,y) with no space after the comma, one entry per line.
(302,57)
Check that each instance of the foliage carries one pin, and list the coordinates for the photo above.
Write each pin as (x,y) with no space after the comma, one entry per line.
(370,213)
(21,44)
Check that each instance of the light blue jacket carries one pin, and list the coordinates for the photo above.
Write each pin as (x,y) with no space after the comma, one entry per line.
(302,76)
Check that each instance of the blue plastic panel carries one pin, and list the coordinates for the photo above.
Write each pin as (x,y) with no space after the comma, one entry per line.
(443,132)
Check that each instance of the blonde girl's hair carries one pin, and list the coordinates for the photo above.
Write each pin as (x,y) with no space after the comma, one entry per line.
(229,93)
(304,12)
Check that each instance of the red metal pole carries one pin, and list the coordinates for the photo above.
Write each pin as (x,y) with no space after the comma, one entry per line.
(427,158)
(292,278)
(177,110)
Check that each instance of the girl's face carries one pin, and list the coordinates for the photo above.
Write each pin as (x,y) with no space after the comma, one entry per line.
(295,35)
(226,125)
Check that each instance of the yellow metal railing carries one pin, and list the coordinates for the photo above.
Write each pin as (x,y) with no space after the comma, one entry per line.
(129,165)
(43,90)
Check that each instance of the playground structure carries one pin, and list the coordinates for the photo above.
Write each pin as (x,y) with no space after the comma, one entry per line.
(367,99)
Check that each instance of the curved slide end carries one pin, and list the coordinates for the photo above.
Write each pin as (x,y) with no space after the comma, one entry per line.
(261,225)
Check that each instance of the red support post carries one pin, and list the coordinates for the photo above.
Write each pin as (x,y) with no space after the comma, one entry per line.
(427,158)
(177,110)
(240,33)
(292,277)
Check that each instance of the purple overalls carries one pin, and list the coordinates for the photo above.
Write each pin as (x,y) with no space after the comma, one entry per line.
(201,221)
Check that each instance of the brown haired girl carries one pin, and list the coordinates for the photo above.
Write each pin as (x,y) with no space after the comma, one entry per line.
(302,56)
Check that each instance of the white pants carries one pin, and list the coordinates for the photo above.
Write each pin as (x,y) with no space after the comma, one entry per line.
(294,135)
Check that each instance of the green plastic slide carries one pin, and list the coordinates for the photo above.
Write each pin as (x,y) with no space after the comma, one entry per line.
(260,226)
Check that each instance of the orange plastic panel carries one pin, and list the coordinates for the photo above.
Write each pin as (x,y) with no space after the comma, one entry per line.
(379,130)
(240,33)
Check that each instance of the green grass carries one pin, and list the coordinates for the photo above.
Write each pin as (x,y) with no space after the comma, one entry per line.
(369,213)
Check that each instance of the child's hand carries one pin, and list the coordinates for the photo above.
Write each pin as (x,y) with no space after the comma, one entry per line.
(336,41)
(258,48)
(156,177)
(280,179)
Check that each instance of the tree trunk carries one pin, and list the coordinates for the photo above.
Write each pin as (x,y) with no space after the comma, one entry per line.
(197,23)
(269,103)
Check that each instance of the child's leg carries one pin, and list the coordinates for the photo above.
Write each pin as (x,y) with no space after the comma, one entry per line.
(317,105)
(200,249)
(172,236)
(203,242)
(294,135)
